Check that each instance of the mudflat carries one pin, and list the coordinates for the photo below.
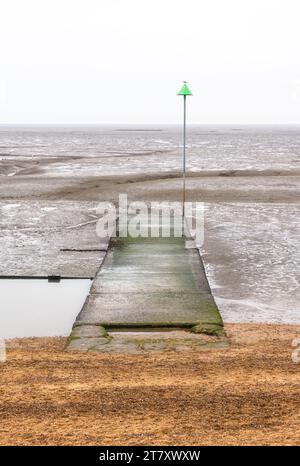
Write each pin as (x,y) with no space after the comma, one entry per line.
(244,394)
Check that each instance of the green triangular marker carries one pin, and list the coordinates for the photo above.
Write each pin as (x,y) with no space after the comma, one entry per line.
(184,90)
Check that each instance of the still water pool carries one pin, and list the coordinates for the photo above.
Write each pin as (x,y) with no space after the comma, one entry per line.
(36,307)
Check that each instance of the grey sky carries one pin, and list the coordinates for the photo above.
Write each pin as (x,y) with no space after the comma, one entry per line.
(122,61)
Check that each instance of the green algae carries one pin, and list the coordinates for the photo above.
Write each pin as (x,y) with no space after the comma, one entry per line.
(209,329)
(151,283)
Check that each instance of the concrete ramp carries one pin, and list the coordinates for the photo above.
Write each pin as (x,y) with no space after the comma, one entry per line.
(144,284)
(151,282)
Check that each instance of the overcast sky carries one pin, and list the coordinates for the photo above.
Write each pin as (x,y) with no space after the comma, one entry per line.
(122,61)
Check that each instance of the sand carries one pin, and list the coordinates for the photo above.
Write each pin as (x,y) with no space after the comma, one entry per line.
(247,394)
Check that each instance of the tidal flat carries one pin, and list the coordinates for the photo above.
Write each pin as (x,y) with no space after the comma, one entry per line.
(52,180)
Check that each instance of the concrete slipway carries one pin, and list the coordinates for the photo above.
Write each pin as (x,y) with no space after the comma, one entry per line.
(149,294)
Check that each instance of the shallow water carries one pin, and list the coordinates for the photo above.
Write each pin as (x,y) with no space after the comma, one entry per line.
(105,150)
(35,307)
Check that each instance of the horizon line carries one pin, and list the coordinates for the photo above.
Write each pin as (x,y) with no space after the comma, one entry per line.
(148,124)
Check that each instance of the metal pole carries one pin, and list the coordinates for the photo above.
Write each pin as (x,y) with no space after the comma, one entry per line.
(184,91)
(184,142)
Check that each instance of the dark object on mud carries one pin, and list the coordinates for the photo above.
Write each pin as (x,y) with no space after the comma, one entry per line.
(54,278)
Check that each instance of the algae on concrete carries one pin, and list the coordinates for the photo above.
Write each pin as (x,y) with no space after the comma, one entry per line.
(155,283)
